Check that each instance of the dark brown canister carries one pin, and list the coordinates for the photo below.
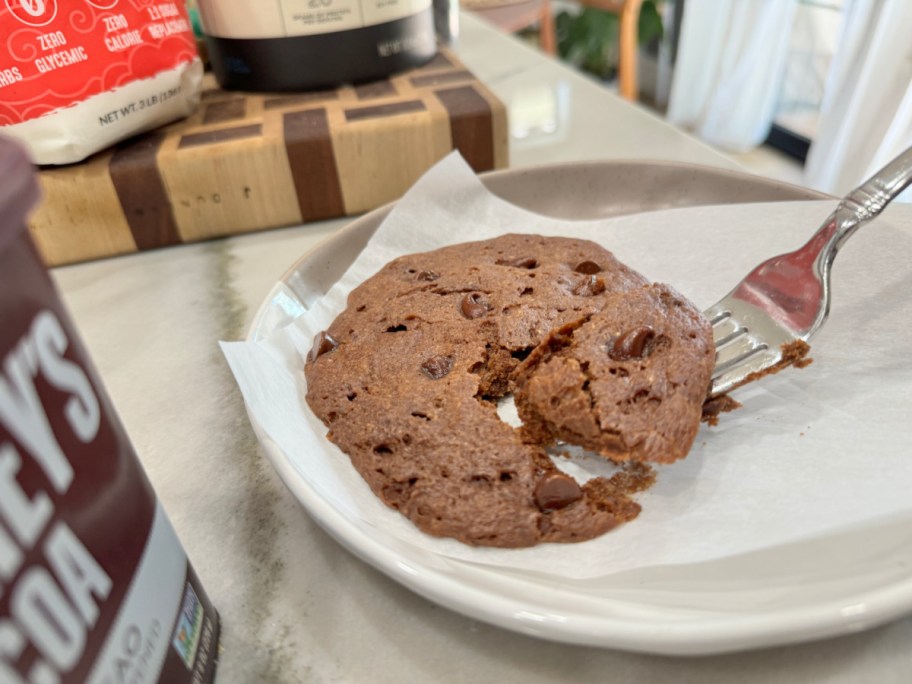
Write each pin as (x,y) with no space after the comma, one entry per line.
(94,584)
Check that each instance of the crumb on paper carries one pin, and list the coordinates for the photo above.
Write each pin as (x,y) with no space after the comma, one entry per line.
(718,405)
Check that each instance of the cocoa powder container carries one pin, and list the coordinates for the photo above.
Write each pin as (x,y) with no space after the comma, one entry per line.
(94,583)
(304,44)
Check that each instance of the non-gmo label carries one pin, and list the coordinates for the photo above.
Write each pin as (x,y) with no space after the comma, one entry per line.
(189,627)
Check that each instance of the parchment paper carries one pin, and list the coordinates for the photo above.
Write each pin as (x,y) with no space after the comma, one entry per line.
(812,451)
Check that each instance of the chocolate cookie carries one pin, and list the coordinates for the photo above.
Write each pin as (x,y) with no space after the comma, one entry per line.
(628,382)
(408,376)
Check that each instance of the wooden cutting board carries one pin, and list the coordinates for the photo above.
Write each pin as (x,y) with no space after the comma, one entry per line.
(244,162)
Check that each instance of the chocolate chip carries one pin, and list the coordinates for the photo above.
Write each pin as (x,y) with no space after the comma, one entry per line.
(587,267)
(556,490)
(521,262)
(474,305)
(589,287)
(323,343)
(633,344)
(437,366)
(427,276)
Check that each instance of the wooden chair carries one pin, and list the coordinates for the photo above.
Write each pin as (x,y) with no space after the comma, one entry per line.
(629,11)
(516,16)
(513,16)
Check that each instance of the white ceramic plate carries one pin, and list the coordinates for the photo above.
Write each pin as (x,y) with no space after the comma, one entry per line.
(834,585)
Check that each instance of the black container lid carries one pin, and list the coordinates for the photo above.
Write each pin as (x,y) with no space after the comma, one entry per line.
(18,190)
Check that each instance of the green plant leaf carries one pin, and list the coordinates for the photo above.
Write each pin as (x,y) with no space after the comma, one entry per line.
(589,39)
(650,24)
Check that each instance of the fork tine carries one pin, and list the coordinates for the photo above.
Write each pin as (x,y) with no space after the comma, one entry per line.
(725,380)
(737,351)
(717,311)
(726,329)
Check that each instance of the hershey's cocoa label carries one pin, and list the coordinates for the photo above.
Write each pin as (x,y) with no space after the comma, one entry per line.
(94,585)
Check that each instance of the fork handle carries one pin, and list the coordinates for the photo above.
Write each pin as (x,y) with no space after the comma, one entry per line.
(854,210)
(869,199)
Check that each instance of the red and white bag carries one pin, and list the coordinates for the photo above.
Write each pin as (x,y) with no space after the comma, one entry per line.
(79,75)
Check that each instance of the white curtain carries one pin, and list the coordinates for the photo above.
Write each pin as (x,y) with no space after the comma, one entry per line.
(729,69)
(866,115)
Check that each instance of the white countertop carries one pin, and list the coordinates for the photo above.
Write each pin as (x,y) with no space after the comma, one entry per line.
(296,606)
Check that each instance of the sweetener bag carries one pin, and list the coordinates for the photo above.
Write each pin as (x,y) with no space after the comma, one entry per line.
(79,75)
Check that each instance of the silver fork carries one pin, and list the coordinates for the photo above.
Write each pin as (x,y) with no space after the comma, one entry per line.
(759,326)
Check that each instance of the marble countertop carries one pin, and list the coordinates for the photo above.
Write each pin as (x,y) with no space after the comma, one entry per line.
(296,606)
